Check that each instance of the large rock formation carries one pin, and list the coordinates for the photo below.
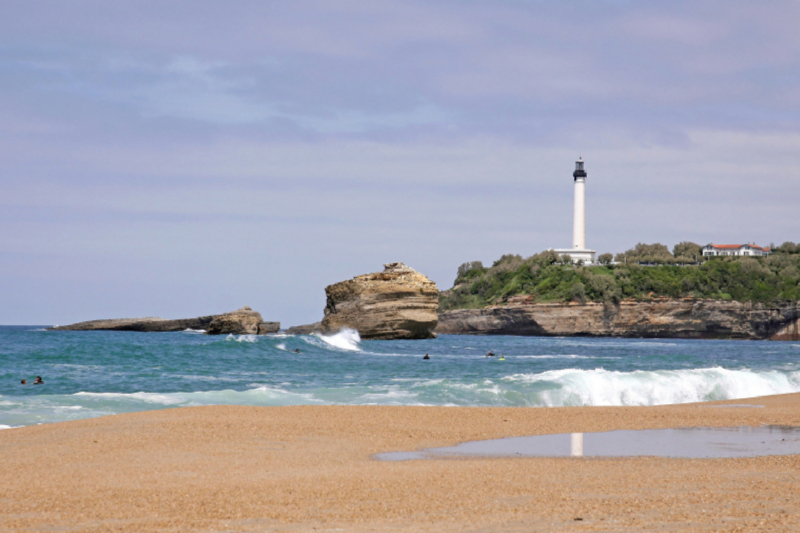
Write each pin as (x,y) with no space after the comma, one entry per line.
(243,321)
(660,317)
(398,303)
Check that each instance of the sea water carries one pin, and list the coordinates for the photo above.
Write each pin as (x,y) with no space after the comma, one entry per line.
(96,373)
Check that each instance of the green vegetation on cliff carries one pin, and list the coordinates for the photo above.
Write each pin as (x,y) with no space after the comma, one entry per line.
(547,277)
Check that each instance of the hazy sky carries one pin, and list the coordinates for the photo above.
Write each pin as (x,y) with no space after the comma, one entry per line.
(181,158)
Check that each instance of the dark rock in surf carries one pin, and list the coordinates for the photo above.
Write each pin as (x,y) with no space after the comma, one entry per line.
(265,328)
(305,329)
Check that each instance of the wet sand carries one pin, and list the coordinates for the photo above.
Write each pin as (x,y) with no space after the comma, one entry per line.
(309,468)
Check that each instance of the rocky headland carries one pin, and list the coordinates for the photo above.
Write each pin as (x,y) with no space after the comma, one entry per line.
(244,321)
(685,318)
(398,303)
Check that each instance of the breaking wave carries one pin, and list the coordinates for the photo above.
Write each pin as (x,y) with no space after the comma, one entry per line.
(346,339)
(603,387)
(241,338)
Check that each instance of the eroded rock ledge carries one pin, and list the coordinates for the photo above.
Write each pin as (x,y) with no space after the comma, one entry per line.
(684,318)
(398,303)
(244,321)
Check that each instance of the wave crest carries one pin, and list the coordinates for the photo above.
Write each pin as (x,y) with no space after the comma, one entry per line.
(641,387)
(346,339)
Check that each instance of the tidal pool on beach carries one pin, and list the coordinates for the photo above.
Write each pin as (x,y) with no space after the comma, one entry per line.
(688,443)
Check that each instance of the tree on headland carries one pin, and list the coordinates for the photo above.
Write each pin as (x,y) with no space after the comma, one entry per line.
(469,270)
(787,248)
(647,253)
(687,251)
(469,265)
(605,259)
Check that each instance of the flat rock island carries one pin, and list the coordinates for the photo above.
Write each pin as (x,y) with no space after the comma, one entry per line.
(244,321)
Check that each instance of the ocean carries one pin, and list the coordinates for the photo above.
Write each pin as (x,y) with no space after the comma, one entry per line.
(96,373)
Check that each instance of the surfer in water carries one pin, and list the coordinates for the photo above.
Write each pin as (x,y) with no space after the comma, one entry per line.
(490,354)
(297,350)
(427,356)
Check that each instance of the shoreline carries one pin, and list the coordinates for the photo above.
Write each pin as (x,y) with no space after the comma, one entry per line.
(296,468)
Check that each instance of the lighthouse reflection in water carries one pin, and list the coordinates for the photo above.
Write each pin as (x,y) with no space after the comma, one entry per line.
(696,443)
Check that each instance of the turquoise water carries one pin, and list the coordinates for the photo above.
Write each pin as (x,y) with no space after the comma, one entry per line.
(97,373)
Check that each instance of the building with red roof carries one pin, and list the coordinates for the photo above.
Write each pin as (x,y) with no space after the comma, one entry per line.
(712,250)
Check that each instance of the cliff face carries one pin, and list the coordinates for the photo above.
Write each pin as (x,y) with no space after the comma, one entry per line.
(664,318)
(398,303)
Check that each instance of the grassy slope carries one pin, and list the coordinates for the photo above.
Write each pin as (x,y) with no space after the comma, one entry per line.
(772,279)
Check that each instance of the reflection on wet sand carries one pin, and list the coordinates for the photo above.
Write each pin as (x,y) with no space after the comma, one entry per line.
(741,441)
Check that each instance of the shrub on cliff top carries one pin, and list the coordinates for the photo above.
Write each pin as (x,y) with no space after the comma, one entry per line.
(542,278)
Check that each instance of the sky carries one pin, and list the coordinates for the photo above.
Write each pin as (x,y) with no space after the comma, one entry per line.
(184,158)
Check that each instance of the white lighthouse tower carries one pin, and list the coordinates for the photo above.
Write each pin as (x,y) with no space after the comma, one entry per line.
(579,252)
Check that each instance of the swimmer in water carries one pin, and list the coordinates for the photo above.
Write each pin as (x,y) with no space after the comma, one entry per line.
(297,350)
(38,381)
(24,382)
(427,356)
(490,354)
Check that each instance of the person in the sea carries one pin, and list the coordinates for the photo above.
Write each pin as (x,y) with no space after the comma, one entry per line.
(297,350)
(38,381)
(427,356)
(24,382)
(490,354)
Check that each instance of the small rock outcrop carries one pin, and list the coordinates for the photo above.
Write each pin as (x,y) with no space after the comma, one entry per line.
(245,321)
(305,329)
(265,328)
(398,303)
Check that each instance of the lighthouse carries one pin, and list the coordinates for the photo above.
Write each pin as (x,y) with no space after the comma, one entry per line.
(579,252)
(579,207)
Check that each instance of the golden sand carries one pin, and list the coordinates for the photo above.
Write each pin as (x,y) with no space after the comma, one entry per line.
(309,468)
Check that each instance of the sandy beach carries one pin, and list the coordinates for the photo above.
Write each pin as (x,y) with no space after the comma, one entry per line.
(310,468)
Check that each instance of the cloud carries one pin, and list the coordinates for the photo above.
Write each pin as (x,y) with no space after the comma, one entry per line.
(209,153)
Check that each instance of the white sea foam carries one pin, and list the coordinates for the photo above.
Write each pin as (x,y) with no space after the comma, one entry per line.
(560,356)
(604,343)
(259,395)
(281,346)
(602,387)
(242,338)
(148,397)
(190,330)
(3,426)
(346,339)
